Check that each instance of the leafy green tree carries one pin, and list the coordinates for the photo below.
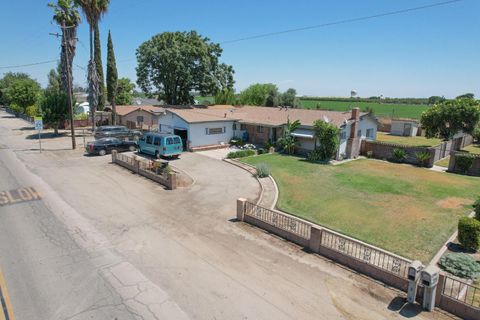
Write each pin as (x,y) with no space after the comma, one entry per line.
(476,133)
(173,64)
(225,96)
(435,99)
(6,82)
(112,78)
(327,136)
(54,80)
(97,53)
(54,107)
(289,98)
(273,97)
(124,95)
(466,96)
(22,92)
(289,142)
(258,93)
(93,11)
(446,119)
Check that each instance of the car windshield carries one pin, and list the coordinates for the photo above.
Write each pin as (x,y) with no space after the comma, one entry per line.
(104,141)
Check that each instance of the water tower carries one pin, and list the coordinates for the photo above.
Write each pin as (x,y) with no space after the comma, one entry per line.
(353,94)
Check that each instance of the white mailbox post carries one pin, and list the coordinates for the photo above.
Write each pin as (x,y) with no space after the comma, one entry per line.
(430,276)
(413,277)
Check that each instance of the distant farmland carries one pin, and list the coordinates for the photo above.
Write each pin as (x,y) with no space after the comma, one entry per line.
(380,109)
(391,110)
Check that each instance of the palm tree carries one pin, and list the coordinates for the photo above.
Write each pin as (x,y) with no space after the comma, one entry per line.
(66,15)
(288,141)
(93,11)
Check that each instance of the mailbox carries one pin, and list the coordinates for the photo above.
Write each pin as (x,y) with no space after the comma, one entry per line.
(414,270)
(430,276)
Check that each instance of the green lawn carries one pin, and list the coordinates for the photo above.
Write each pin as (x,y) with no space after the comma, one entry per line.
(409,141)
(407,210)
(380,109)
(473,148)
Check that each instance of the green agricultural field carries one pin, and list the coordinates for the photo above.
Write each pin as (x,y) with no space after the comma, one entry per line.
(380,109)
(404,209)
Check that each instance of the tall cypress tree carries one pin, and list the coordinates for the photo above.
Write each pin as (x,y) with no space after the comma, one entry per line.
(112,78)
(98,63)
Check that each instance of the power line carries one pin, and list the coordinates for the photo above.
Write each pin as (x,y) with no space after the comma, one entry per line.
(379,15)
(28,65)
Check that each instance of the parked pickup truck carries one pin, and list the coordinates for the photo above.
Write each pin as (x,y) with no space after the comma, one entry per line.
(106,145)
(120,132)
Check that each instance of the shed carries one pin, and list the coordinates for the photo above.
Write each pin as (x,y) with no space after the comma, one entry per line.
(405,127)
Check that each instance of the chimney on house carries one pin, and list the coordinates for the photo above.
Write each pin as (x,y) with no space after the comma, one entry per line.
(355,114)
(355,117)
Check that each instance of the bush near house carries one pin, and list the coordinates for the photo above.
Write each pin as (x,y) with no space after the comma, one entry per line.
(469,233)
(476,208)
(464,162)
(240,154)
(423,158)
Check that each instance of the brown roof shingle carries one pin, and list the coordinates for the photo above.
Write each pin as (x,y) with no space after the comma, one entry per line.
(268,116)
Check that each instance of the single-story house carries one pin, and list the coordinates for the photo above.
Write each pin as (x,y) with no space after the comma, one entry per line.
(139,116)
(405,127)
(216,125)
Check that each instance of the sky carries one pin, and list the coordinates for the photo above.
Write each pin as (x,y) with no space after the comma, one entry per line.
(417,54)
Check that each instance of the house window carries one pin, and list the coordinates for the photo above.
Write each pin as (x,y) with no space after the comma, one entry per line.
(234,127)
(215,130)
(343,135)
(370,133)
(259,129)
(139,119)
(359,133)
(243,127)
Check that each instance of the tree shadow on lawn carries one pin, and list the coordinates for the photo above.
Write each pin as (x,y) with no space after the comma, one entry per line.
(45,135)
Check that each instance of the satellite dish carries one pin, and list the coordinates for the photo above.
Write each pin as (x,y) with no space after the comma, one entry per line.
(353,93)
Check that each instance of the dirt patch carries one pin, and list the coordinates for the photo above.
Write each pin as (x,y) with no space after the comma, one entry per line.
(453,202)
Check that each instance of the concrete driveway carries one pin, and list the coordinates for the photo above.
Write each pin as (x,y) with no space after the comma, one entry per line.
(187,243)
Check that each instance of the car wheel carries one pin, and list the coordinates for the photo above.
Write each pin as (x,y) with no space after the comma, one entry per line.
(102,152)
(132,148)
(157,155)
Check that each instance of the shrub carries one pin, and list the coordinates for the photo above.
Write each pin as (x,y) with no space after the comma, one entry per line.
(460,265)
(261,151)
(464,162)
(263,170)
(423,158)
(16,108)
(469,233)
(399,155)
(370,154)
(314,155)
(476,208)
(240,154)
(32,111)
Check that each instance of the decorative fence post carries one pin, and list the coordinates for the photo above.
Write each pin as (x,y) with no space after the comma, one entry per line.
(315,239)
(172,181)
(136,163)
(114,156)
(241,208)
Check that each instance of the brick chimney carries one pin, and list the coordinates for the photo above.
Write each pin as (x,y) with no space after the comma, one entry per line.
(355,114)
(355,117)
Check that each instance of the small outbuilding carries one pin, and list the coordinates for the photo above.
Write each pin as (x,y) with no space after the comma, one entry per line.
(405,127)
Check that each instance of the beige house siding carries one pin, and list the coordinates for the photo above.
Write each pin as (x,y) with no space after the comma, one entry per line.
(149,119)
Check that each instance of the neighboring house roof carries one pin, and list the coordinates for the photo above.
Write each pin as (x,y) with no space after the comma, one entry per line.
(124,110)
(267,116)
(405,120)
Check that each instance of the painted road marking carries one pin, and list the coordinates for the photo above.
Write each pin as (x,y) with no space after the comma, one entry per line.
(19,195)
(6,312)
